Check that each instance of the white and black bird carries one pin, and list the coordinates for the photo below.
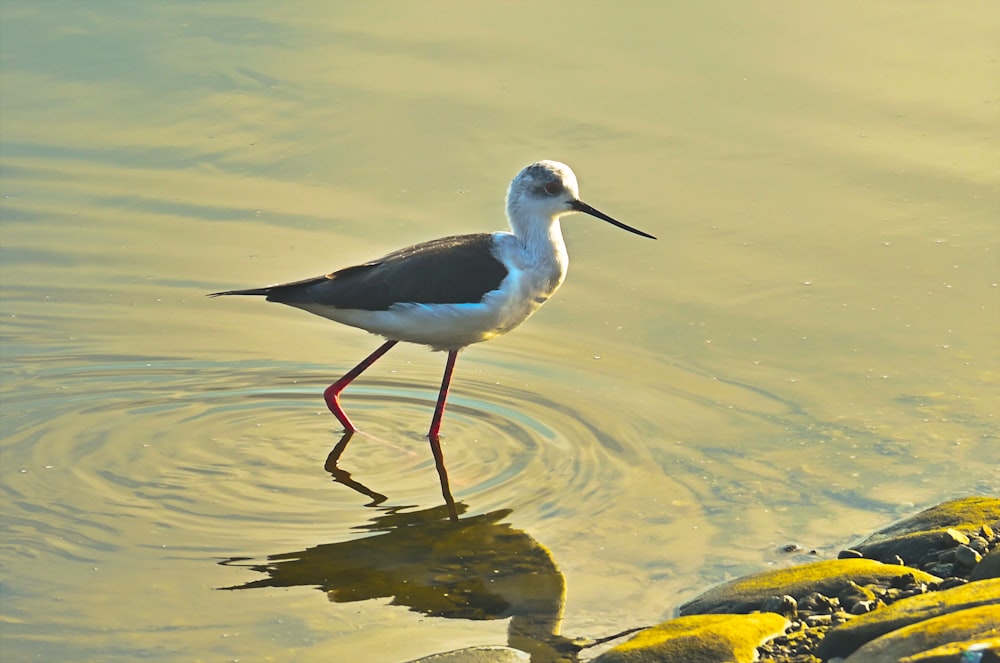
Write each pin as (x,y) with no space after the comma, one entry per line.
(455,291)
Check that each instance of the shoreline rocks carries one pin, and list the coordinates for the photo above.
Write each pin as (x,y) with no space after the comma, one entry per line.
(925,589)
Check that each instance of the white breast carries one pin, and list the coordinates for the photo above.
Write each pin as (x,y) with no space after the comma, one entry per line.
(532,277)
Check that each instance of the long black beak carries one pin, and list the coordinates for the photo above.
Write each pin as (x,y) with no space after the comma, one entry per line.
(581,206)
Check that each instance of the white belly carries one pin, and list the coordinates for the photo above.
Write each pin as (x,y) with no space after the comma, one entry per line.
(452,326)
(532,277)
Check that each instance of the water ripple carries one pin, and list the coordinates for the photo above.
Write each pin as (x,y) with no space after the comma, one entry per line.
(171,445)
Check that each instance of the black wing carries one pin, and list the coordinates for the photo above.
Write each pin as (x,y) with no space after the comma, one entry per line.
(452,270)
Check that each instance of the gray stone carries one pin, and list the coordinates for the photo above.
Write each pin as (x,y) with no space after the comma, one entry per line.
(915,547)
(988,568)
(782,605)
(847,637)
(863,607)
(481,654)
(979,544)
(967,557)
(854,594)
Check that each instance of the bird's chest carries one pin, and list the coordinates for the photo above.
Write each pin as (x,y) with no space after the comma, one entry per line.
(541,281)
(530,281)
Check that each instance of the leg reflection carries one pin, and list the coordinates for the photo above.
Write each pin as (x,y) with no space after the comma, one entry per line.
(344,477)
(443,476)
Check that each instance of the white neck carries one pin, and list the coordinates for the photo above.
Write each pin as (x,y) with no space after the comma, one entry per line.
(542,242)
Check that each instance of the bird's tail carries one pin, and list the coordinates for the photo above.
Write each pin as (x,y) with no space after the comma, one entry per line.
(251,291)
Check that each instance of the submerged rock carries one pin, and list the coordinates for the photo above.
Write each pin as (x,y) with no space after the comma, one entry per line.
(699,639)
(482,654)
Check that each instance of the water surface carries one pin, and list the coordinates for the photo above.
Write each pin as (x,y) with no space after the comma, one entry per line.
(807,352)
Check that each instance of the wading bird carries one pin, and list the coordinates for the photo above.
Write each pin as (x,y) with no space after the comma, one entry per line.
(455,291)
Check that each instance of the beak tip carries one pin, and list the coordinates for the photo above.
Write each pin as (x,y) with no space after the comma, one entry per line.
(580,206)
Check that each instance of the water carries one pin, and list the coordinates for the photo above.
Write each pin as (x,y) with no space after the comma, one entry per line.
(807,352)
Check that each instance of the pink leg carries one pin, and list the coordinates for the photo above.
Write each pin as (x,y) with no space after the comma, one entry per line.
(332,393)
(433,435)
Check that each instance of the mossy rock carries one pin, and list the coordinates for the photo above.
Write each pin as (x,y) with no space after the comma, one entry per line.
(699,639)
(909,643)
(938,528)
(957,652)
(966,514)
(913,547)
(847,637)
(989,567)
(829,578)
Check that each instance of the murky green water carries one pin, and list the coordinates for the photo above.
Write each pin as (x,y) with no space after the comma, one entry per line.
(809,350)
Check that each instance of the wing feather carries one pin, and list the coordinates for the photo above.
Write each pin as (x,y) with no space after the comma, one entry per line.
(459,269)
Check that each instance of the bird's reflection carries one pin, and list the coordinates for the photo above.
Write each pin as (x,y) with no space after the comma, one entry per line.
(341,475)
(474,568)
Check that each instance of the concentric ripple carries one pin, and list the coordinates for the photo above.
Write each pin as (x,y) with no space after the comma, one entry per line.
(184,450)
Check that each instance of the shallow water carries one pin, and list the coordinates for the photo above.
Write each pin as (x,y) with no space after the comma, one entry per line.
(807,352)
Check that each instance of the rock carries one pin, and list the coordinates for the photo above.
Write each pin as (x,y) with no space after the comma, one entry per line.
(844,639)
(819,620)
(911,643)
(989,567)
(828,578)
(914,547)
(948,583)
(863,607)
(699,639)
(483,654)
(969,514)
(933,530)
(782,605)
(979,544)
(941,569)
(816,603)
(970,651)
(854,594)
(967,557)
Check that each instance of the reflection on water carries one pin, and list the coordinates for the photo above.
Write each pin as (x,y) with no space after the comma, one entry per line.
(344,477)
(171,454)
(474,568)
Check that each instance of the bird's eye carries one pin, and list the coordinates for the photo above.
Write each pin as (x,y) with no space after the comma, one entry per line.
(553,188)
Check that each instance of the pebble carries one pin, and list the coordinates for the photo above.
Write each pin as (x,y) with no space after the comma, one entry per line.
(782,605)
(966,556)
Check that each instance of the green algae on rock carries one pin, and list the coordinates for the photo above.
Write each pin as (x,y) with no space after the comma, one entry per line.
(976,650)
(829,577)
(939,528)
(699,639)
(967,514)
(972,626)
(847,637)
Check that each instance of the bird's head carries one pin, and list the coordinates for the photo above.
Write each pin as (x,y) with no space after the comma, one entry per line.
(545,191)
